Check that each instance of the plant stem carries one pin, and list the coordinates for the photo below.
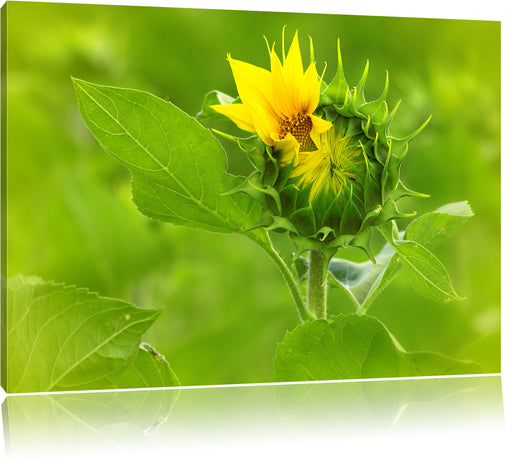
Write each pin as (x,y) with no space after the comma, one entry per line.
(266,245)
(317,285)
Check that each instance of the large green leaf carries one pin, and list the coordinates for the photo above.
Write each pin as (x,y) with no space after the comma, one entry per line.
(65,338)
(364,282)
(354,347)
(177,165)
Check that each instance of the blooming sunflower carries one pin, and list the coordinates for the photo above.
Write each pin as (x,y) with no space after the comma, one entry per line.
(337,173)
(278,104)
(331,166)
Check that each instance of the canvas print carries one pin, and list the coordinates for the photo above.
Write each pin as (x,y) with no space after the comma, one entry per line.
(200,197)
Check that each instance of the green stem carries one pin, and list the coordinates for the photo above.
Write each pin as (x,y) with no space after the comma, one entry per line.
(288,276)
(317,285)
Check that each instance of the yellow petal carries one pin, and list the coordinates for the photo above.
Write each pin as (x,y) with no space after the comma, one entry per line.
(281,92)
(310,90)
(293,71)
(254,85)
(238,113)
(319,125)
(317,186)
(264,125)
(315,137)
(290,147)
(309,164)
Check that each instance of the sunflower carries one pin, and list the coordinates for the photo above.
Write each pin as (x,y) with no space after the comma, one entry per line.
(331,166)
(278,104)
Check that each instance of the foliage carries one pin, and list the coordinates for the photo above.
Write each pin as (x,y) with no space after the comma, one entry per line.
(366,280)
(71,339)
(353,347)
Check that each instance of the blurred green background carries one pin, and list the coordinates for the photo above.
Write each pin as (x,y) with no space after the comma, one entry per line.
(71,218)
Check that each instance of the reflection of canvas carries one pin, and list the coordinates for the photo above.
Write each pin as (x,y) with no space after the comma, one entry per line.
(108,292)
(193,421)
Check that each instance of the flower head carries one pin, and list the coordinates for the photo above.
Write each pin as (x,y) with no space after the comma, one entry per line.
(278,104)
(331,166)
(332,172)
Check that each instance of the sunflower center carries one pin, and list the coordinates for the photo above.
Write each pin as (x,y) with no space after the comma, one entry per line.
(300,127)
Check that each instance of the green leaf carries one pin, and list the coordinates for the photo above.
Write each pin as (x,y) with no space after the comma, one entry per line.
(364,282)
(432,228)
(426,273)
(211,98)
(354,347)
(178,167)
(65,338)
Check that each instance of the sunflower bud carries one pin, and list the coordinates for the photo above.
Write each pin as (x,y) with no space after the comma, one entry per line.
(327,168)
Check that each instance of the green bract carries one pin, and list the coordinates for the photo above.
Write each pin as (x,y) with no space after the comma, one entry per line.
(333,218)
